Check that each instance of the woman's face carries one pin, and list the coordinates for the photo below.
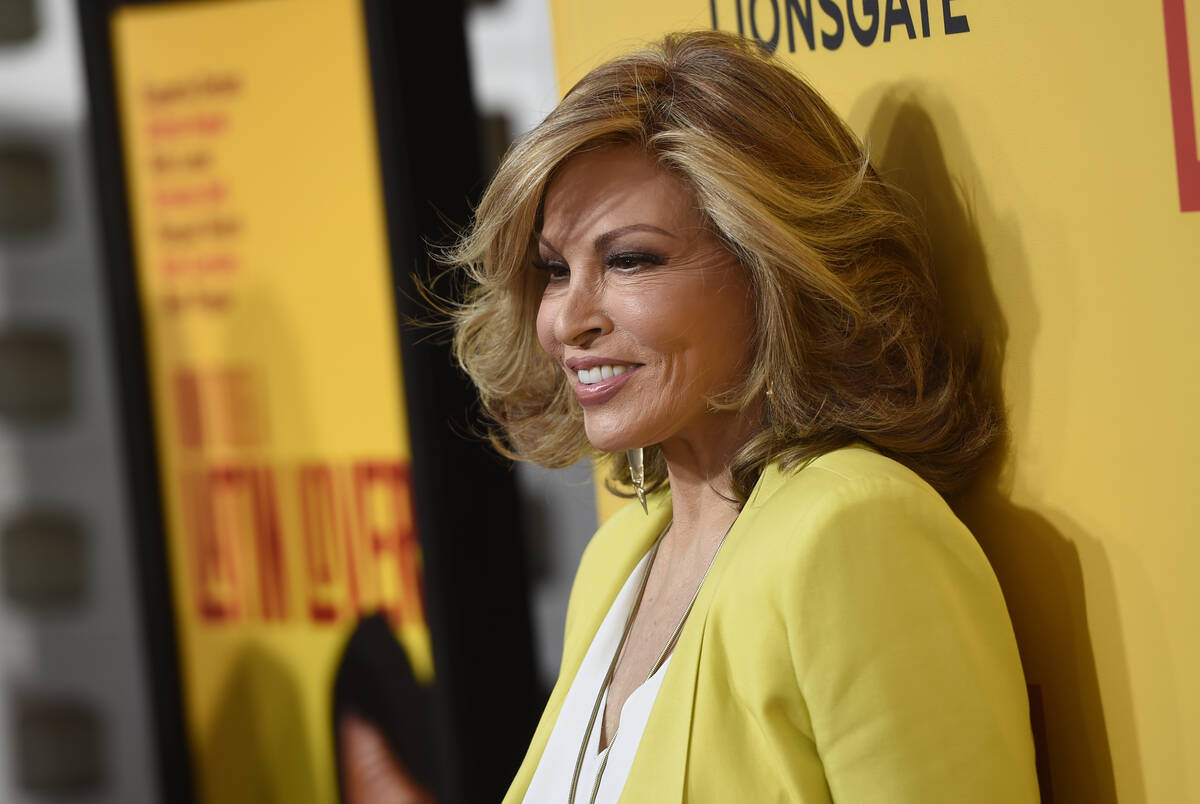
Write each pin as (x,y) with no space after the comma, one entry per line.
(644,309)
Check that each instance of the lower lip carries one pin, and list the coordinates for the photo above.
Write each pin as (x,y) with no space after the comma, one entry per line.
(598,393)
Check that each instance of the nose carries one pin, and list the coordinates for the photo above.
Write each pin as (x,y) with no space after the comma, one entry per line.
(581,317)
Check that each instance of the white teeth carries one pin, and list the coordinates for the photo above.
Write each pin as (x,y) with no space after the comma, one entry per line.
(595,375)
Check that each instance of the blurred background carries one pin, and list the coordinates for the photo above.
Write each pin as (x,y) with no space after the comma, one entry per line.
(109,690)
(252,547)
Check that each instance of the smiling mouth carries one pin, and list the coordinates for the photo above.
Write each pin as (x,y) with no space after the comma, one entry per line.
(599,373)
(598,384)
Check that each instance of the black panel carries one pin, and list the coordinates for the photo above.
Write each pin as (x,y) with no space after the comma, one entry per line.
(487,700)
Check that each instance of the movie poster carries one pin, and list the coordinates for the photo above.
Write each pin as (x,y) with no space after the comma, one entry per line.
(270,328)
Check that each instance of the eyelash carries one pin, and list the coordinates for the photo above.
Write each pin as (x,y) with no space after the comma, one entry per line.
(634,260)
(626,261)
(553,269)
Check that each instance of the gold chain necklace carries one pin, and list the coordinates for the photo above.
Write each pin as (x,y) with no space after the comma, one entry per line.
(612,665)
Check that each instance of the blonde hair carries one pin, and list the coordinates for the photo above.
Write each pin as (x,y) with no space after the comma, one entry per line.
(849,340)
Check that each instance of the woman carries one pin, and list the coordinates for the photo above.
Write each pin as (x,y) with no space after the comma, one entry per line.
(691,263)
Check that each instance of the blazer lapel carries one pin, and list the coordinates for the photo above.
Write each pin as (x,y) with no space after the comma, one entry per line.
(659,768)
(660,764)
(659,771)
(598,591)
(595,594)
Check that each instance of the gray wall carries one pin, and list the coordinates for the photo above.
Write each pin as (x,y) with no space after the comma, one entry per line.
(74,724)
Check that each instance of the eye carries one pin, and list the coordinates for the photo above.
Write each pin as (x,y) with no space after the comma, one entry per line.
(632,261)
(554,269)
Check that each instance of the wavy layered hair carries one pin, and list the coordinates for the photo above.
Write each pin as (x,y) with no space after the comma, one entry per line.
(849,344)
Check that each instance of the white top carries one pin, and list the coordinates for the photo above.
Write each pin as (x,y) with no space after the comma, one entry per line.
(551,782)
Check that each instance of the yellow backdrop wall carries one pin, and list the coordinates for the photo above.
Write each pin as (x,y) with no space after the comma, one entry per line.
(1053,148)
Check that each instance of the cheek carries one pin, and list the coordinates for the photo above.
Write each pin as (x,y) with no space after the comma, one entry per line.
(694,321)
(711,329)
(731,343)
(547,312)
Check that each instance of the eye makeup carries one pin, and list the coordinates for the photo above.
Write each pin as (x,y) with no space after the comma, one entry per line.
(553,268)
(632,261)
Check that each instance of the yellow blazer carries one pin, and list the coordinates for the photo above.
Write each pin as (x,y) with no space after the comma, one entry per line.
(850,644)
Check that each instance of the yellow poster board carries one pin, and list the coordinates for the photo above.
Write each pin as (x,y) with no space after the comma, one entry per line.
(266,295)
(1053,147)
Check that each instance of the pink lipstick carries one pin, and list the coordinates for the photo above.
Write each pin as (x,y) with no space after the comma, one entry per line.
(598,379)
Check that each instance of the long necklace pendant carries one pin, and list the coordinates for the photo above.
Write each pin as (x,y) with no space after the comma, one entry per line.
(612,666)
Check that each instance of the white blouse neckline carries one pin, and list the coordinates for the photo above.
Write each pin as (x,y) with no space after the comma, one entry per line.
(552,779)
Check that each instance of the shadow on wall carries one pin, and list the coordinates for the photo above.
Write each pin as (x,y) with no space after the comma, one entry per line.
(1038,567)
(258,746)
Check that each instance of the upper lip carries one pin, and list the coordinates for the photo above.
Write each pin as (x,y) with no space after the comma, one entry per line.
(580,363)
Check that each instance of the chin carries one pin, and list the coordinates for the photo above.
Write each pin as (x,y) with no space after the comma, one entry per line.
(610,444)
(609,439)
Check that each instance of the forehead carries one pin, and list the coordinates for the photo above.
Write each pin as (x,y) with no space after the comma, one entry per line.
(605,189)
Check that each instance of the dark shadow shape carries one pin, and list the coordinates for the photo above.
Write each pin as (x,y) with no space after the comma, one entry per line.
(375,682)
(1038,568)
(258,746)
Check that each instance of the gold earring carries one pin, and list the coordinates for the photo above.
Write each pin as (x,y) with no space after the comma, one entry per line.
(637,475)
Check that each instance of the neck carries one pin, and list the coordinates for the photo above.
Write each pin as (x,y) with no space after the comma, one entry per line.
(702,499)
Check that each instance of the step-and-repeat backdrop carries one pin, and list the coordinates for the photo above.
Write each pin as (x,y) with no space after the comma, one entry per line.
(1053,147)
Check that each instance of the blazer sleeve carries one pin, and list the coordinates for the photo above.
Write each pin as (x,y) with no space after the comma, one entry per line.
(904,652)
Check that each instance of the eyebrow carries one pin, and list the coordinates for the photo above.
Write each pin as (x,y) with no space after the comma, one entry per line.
(604,240)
